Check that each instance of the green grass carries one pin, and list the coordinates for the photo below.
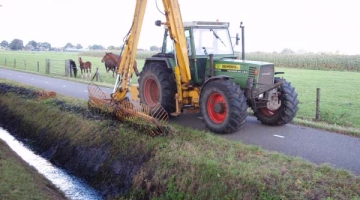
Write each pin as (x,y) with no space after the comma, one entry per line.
(187,164)
(20,181)
(338,94)
(32,59)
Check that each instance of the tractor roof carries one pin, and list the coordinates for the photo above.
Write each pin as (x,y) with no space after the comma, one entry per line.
(207,24)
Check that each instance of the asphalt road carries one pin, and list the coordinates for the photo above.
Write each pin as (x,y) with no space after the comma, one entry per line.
(317,146)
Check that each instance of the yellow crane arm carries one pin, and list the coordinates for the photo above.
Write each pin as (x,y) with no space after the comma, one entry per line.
(126,68)
(176,29)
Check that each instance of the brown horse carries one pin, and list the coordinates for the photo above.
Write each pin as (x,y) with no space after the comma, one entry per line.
(112,63)
(85,67)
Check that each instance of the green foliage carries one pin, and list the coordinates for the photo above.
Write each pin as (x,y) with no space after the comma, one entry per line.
(155,48)
(310,61)
(33,43)
(287,51)
(96,47)
(79,46)
(68,45)
(4,43)
(16,44)
(44,45)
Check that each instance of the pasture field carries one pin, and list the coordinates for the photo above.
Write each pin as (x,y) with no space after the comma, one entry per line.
(339,104)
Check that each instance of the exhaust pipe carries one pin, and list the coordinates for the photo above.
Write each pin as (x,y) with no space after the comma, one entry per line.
(242,41)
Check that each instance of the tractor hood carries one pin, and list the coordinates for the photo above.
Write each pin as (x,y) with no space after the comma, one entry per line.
(238,61)
(241,70)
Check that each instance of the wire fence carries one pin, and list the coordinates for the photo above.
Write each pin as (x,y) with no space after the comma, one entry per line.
(56,67)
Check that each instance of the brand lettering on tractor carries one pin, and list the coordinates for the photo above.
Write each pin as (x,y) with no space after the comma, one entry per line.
(227,66)
(265,74)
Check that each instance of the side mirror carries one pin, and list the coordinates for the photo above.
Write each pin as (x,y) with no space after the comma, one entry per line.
(158,22)
(237,39)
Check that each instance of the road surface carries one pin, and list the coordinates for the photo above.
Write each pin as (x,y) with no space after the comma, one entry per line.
(317,146)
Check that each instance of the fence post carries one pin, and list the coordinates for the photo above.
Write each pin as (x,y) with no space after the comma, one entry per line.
(5,62)
(25,64)
(68,68)
(14,63)
(38,66)
(47,66)
(317,115)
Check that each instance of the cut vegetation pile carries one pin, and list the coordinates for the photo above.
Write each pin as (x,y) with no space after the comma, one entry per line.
(120,161)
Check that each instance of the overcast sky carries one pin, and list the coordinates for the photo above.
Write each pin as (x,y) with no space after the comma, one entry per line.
(270,25)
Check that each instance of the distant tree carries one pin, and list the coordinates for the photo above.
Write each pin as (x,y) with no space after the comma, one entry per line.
(32,43)
(287,51)
(44,45)
(79,46)
(68,45)
(29,47)
(16,44)
(110,48)
(4,43)
(154,48)
(96,47)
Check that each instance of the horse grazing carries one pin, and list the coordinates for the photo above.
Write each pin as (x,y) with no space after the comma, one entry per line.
(85,67)
(73,67)
(112,63)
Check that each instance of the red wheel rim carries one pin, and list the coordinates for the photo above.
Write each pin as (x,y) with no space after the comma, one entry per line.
(217,99)
(268,113)
(151,92)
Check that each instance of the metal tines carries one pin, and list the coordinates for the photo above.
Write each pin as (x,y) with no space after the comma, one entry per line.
(151,120)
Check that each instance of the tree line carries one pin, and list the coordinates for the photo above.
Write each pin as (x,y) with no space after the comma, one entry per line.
(18,44)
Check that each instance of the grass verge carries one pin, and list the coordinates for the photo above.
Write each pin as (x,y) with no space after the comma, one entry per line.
(125,163)
(20,181)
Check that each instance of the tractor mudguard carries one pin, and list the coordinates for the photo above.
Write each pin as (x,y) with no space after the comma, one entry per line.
(213,78)
(166,60)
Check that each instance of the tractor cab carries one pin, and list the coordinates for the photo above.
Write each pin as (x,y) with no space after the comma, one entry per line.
(203,39)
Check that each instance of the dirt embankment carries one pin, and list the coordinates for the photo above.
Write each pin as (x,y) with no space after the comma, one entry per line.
(71,138)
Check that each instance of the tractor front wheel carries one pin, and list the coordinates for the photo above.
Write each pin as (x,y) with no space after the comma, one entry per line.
(223,106)
(287,110)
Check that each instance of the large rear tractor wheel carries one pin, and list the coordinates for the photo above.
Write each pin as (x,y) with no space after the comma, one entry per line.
(223,106)
(156,85)
(287,110)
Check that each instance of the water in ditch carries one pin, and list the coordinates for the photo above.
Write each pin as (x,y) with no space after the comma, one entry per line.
(73,187)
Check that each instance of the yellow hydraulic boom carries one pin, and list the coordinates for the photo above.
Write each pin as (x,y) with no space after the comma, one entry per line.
(175,25)
(135,112)
(126,68)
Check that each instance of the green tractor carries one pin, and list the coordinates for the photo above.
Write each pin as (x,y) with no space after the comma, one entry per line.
(221,86)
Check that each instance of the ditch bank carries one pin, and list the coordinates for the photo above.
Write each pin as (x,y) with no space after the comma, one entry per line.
(123,162)
(72,138)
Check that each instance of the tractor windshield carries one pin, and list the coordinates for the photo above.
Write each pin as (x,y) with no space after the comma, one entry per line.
(212,41)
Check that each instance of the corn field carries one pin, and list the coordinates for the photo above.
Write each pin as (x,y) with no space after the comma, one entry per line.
(310,61)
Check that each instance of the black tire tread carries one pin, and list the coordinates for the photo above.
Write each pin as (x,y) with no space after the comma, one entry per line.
(237,106)
(168,86)
(288,109)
